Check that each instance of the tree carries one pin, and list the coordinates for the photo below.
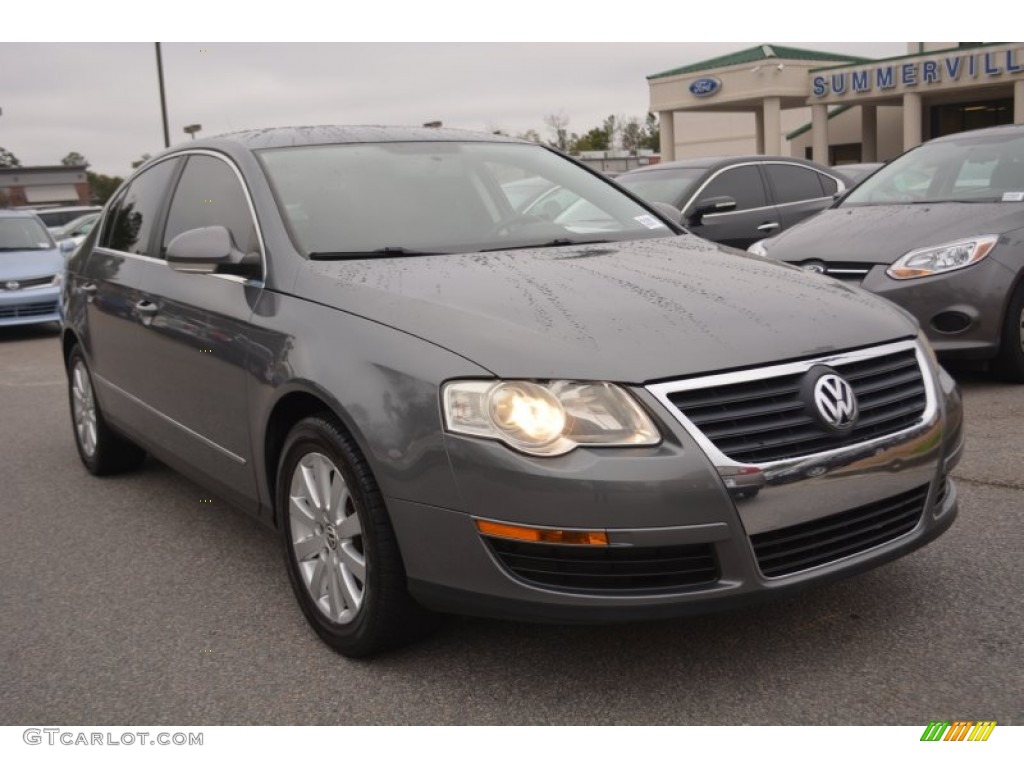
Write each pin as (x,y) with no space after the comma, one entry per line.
(652,134)
(141,161)
(8,160)
(74,158)
(101,187)
(530,135)
(558,125)
(594,140)
(611,127)
(631,135)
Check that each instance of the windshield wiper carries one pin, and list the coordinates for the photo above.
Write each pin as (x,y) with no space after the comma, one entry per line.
(387,250)
(558,242)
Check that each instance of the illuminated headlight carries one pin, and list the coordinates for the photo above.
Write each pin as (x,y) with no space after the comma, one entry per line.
(760,248)
(925,262)
(547,419)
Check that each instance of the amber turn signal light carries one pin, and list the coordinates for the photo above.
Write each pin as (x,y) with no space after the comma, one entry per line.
(542,535)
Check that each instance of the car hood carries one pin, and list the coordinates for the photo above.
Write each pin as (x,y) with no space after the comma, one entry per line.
(630,312)
(880,234)
(19,265)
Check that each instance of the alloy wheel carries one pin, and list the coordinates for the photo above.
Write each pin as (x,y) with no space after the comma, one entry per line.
(83,404)
(327,538)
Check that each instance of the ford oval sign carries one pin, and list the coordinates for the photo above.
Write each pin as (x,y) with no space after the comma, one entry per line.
(706,86)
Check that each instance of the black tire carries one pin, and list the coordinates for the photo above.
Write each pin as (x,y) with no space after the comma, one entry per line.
(357,614)
(1009,364)
(102,450)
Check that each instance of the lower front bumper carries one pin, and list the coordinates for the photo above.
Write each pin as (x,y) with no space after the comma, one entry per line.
(451,568)
(30,306)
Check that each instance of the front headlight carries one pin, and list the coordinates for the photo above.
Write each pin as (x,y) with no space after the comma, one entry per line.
(924,262)
(57,279)
(547,418)
(760,248)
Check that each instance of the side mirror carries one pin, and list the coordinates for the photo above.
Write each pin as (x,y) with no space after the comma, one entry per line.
(710,205)
(204,249)
(66,246)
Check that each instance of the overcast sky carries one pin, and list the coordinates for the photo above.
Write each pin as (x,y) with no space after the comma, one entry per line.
(102,99)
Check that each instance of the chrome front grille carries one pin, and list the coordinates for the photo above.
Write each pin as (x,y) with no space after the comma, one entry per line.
(762,416)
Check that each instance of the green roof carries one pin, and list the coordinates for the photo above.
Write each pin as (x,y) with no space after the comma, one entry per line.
(761,53)
(807,126)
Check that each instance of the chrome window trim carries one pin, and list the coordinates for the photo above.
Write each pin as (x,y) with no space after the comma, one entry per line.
(662,391)
(245,190)
(191,432)
(841,187)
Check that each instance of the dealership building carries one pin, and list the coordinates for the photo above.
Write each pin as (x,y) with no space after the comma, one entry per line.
(835,108)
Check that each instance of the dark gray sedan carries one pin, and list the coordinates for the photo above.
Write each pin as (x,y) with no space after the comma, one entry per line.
(738,200)
(939,231)
(444,403)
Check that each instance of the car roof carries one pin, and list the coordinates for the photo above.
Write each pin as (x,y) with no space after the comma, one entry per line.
(22,214)
(267,138)
(721,160)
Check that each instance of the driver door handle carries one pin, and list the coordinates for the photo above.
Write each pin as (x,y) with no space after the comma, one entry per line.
(768,227)
(146,308)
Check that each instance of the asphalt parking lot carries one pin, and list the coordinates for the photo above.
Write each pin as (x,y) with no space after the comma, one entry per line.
(130,600)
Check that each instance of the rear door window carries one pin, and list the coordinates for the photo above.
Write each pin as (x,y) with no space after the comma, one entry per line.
(794,183)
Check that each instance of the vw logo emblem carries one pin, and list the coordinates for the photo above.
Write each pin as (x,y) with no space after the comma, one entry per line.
(835,401)
(12,285)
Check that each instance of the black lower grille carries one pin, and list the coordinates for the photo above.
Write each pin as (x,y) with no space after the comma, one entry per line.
(767,419)
(29,310)
(821,541)
(607,569)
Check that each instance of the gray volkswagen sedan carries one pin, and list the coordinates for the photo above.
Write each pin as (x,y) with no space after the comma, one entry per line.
(446,404)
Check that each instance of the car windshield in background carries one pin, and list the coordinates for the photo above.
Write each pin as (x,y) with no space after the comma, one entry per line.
(409,198)
(972,169)
(24,233)
(664,186)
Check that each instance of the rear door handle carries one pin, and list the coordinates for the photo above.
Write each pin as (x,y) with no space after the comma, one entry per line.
(146,308)
(89,288)
(768,227)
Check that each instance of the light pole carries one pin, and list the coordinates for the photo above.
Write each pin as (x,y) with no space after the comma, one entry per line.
(193,129)
(163,98)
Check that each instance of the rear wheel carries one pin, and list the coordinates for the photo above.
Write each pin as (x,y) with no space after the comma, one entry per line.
(340,550)
(103,451)
(1010,362)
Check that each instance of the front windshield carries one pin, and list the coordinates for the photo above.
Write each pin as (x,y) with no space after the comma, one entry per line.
(23,233)
(668,185)
(445,197)
(969,169)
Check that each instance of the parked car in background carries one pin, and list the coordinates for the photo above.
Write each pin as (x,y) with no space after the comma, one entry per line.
(31,264)
(855,172)
(55,218)
(939,231)
(444,402)
(738,200)
(76,229)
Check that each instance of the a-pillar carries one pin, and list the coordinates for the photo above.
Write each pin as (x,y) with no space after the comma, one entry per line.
(667,126)
(819,133)
(912,120)
(869,133)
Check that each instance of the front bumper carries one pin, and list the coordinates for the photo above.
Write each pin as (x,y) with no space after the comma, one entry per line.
(676,504)
(29,306)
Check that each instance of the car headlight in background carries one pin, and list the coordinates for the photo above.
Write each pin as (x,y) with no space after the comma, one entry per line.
(547,419)
(760,248)
(924,262)
(57,279)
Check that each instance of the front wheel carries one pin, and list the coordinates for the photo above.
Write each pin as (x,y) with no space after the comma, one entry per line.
(342,557)
(1010,362)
